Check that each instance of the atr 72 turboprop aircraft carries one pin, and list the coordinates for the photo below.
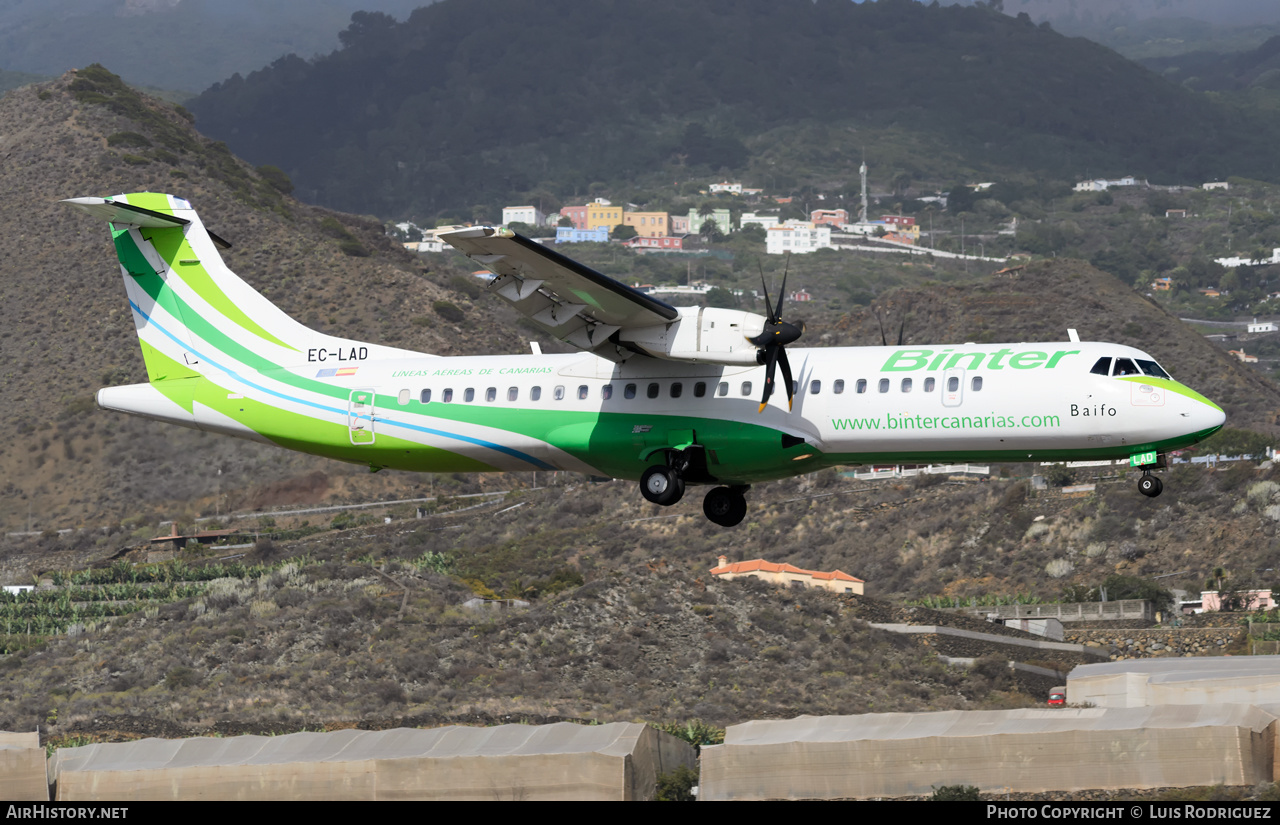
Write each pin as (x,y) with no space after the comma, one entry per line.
(664,395)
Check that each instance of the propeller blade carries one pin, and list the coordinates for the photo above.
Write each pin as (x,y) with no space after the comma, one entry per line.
(786,375)
(770,365)
(900,330)
(764,290)
(880,320)
(782,291)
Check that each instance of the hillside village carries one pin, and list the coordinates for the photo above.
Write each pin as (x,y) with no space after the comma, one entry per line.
(964,225)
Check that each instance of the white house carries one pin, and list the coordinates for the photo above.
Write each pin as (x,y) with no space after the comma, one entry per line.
(797,237)
(731,188)
(764,221)
(1264,326)
(1239,260)
(1101,184)
(1217,184)
(531,215)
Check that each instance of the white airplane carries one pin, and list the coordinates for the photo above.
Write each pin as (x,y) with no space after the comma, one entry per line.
(667,396)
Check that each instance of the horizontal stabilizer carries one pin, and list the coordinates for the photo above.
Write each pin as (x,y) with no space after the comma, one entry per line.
(123,214)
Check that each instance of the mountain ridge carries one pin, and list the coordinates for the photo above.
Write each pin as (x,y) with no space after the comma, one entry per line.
(416,118)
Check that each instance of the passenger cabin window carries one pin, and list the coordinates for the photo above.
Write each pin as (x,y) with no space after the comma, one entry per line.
(722,389)
(700,389)
(976,383)
(677,389)
(629,391)
(583,392)
(1124,367)
(558,394)
(425,396)
(837,386)
(746,387)
(606,392)
(403,397)
(535,393)
(513,393)
(929,384)
(448,395)
(953,384)
(815,387)
(469,394)
(1103,367)
(861,386)
(491,394)
(884,385)
(652,390)
(906,385)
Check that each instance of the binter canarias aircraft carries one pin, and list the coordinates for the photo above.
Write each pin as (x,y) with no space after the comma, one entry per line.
(667,396)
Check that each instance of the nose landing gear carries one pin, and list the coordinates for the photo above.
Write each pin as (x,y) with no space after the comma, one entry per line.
(662,485)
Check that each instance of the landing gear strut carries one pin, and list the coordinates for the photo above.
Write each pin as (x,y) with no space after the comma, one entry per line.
(725,506)
(1149,485)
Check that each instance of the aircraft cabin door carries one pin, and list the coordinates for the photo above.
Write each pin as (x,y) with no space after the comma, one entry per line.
(952,387)
(360,417)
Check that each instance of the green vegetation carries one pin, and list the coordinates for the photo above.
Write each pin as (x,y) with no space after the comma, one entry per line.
(706,109)
(677,786)
(955,793)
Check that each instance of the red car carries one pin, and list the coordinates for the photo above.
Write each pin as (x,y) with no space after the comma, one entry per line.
(1058,696)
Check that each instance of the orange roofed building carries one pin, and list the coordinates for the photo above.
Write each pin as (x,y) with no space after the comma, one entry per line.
(788,575)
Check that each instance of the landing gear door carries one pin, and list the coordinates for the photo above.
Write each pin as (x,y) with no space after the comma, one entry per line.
(952,387)
(360,417)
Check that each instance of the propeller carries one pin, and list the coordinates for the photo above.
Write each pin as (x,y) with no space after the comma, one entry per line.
(901,329)
(772,341)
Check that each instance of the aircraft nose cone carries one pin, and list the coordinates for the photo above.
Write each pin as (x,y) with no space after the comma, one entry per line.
(1207,417)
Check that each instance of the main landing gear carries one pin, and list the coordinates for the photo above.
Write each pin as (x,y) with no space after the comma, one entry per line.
(664,484)
(1149,485)
(725,506)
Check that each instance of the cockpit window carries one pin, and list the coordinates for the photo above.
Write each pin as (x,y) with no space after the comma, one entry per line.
(1124,367)
(1103,367)
(1153,369)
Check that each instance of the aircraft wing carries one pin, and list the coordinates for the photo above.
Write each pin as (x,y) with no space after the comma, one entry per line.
(570,301)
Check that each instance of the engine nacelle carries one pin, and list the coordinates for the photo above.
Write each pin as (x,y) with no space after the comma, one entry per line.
(701,335)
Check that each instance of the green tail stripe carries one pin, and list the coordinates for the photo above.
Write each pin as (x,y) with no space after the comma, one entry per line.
(181,258)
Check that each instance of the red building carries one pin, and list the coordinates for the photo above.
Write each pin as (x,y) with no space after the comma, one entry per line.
(829,217)
(577,214)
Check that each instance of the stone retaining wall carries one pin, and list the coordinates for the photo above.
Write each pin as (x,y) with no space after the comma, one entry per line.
(1134,643)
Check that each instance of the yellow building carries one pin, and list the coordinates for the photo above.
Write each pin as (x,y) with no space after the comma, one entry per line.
(648,224)
(599,215)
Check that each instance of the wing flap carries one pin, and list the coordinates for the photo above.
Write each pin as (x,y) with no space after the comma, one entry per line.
(568,300)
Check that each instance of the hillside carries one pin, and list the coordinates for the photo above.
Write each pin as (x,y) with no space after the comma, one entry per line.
(365,627)
(420,117)
(173,44)
(1216,72)
(1141,29)
(66,330)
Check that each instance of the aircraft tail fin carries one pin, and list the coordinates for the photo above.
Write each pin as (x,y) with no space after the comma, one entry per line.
(193,315)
